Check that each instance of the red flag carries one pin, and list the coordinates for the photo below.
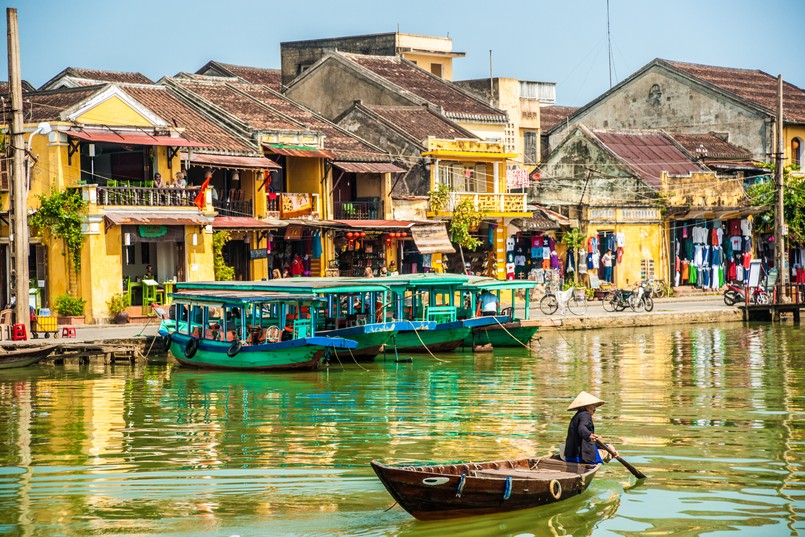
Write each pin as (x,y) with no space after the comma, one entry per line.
(199,201)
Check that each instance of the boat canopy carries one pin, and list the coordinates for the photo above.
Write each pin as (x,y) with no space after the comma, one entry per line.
(209,296)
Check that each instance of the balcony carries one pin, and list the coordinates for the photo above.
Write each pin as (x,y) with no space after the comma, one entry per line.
(293,205)
(492,203)
(145,196)
(233,204)
(358,210)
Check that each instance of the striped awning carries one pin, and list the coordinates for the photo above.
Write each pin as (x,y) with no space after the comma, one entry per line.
(432,239)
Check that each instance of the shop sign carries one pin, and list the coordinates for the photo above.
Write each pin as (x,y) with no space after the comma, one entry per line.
(260,253)
(602,214)
(640,214)
(516,177)
(295,204)
(293,232)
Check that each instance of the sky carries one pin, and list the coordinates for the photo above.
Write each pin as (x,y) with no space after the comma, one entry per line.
(551,41)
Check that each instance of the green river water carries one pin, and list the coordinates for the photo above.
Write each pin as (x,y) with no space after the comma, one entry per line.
(713,414)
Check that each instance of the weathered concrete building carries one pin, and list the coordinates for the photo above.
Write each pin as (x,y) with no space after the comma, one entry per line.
(737,105)
(433,54)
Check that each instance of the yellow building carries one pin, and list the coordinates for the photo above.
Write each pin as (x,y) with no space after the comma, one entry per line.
(476,170)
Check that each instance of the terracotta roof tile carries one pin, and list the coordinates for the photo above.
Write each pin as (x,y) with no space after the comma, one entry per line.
(84,77)
(197,127)
(256,75)
(713,146)
(420,122)
(648,153)
(752,85)
(455,102)
(49,105)
(551,116)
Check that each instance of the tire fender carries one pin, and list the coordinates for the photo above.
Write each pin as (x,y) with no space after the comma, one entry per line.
(234,349)
(191,347)
(556,489)
(166,343)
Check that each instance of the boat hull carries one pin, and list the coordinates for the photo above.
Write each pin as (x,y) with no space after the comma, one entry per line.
(370,339)
(516,334)
(304,353)
(442,492)
(442,339)
(23,357)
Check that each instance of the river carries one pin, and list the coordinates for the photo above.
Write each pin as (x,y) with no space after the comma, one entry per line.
(714,415)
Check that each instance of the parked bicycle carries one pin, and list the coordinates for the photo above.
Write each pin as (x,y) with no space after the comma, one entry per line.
(572,299)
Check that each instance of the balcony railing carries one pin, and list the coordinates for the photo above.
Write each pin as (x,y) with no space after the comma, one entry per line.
(233,207)
(293,205)
(358,210)
(490,202)
(146,196)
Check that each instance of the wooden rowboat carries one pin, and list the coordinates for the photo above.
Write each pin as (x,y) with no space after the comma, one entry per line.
(436,492)
(25,356)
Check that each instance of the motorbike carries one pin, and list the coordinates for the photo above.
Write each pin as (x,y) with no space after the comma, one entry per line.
(735,294)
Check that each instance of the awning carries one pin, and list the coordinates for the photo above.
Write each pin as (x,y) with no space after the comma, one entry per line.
(376,224)
(246,223)
(230,161)
(133,138)
(156,218)
(368,167)
(299,151)
(719,213)
(432,239)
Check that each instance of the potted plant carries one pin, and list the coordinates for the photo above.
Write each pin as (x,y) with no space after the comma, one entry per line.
(117,305)
(70,310)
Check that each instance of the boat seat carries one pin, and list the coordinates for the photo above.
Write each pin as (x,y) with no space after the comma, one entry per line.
(273,334)
(524,474)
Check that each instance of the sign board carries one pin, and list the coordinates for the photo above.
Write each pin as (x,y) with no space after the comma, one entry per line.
(594,282)
(260,253)
(755,269)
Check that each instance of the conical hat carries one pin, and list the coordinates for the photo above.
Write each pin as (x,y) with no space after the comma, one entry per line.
(583,399)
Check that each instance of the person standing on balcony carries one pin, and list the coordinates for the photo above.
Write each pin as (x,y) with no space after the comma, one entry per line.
(179,180)
(158,180)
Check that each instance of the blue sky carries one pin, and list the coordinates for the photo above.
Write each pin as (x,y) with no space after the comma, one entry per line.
(556,41)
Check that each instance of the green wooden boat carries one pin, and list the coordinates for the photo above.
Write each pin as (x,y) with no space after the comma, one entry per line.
(510,331)
(247,330)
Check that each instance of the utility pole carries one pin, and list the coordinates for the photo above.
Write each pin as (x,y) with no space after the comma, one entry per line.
(19,209)
(779,216)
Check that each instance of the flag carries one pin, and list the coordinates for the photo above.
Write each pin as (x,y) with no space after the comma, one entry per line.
(199,201)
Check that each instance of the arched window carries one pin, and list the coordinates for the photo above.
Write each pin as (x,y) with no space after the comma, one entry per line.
(796,151)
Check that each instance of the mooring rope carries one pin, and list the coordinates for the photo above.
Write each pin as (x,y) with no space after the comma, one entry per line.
(337,358)
(427,349)
(511,335)
(355,360)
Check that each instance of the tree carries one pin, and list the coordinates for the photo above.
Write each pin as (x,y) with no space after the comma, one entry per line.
(573,239)
(60,215)
(763,194)
(223,272)
(466,218)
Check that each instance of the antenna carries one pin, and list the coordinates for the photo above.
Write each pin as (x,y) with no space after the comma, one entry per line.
(609,47)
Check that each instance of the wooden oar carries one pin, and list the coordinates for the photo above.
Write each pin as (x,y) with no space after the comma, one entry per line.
(635,472)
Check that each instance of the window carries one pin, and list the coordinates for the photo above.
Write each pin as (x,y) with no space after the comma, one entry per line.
(796,152)
(436,69)
(654,94)
(530,147)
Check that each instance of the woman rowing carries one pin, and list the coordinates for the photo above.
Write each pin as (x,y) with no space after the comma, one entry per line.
(580,445)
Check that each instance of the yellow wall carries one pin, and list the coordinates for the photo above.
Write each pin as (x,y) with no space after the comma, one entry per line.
(642,241)
(424,61)
(113,111)
(789,133)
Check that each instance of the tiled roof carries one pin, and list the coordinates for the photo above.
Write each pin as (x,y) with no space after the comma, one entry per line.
(648,153)
(95,76)
(550,116)
(197,127)
(711,146)
(25,87)
(345,145)
(255,75)
(457,104)
(752,85)
(49,105)
(420,122)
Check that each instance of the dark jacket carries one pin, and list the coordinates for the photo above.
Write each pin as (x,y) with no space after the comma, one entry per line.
(577,444)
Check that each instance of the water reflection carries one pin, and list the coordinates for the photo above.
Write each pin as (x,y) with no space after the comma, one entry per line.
(712,414)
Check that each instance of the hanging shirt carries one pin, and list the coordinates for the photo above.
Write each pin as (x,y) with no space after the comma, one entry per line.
(554,260)
(510,244)
(519,260)
(620,239)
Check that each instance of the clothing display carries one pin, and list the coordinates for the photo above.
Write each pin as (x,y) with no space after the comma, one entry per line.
(709,253)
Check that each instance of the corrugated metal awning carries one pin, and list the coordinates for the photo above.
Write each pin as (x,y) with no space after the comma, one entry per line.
(246,222)
(299,151)
(156,218)
(432,239)
(133,138)
(230,161)
(376,224)
(368,167)
(720,213)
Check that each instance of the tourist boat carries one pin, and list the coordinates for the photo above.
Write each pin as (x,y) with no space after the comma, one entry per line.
(23,356)
(508,331)
(435,492)
(356,309)
(246,330)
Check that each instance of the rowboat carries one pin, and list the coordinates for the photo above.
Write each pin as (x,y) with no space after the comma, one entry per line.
(435,492)
(508,331)
(246,330)
(24,356)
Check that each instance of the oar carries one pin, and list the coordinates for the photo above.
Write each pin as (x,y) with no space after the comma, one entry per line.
(635,472)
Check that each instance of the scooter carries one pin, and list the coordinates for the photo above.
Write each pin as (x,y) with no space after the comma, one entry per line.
(735,294)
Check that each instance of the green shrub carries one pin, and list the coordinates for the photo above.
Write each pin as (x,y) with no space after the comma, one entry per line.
(117,303)
(69,306)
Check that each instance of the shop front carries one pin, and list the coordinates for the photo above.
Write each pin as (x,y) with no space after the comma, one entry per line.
(363,245)
(247,249)
(296,250)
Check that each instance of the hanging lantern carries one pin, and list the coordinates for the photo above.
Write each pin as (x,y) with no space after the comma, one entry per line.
(350,235)
(388,241)
(363,234)
(404,234)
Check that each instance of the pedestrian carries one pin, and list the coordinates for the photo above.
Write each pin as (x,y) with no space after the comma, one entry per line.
(275,274)
(580,445)
(384,271)
(606,260)
(368,273)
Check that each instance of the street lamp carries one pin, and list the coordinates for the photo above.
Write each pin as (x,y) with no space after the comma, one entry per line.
(42,128)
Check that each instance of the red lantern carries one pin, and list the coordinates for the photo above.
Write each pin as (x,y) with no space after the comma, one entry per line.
(363,234)
(393,234)
(350,234)
(404,234)
(388,241)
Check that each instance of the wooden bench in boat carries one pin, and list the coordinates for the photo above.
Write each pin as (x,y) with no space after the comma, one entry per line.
(524,474)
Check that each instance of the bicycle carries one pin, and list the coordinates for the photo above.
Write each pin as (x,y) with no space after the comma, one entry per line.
(659,288)
(571,298)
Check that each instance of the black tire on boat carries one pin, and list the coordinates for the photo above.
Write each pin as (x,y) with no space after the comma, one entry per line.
(234,349)
(191,347)
(166,343)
